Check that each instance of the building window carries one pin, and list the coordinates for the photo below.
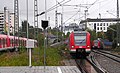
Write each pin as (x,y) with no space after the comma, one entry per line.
(104,24)
(97,24)
(94,25)
(104,28)
(98,28)
(100,24)
(107,24)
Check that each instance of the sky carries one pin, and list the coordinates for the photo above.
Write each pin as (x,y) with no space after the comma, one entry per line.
(94,7)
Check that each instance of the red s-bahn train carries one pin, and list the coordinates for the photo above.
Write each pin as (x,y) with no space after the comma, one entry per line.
(97,44)
(80,43)
(11,42)
(101,44)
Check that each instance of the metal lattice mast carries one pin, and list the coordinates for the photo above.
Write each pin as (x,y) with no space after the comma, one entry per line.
(35,18)
(4,19)
(118,38)
(56,21)
(16,20)
(16,17)
(36,24)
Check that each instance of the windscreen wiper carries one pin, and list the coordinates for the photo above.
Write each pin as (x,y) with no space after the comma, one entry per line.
(82,41)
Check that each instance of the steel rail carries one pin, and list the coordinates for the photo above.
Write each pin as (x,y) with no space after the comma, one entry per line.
(81,66)
(108,55)
(93,64)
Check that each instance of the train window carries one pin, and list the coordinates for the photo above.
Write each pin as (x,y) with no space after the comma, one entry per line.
(20,42)
(12,41)
(3,42)
(80,39)
(16,41)
(25,43)
(0,41)
(95,41)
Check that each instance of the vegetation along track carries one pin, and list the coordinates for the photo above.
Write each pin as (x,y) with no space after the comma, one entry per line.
(82,65)
(109,55)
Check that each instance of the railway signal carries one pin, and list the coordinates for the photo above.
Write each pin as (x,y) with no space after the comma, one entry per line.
(44,26)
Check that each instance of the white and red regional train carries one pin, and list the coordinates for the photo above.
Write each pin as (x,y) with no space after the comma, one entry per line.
(11,42)
(80,43)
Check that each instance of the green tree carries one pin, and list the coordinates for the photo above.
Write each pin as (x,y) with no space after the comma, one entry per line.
(111,32)
(24,28)
(93,34)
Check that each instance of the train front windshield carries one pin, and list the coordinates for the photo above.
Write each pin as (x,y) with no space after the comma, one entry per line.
(80,39)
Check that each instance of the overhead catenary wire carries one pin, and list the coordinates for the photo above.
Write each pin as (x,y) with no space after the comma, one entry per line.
(98,8)
(78,10)
(71,17)
(54,7)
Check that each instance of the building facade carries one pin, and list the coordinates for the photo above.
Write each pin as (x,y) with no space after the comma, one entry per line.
(1,22)
(71,27)
(6,22)
(99,24)
(12,23)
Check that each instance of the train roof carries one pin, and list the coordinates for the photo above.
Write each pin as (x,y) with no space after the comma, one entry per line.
(12,37)
(3,36)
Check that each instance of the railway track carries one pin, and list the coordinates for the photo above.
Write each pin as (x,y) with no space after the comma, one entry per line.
(108,55)
(87,65)
(81,66)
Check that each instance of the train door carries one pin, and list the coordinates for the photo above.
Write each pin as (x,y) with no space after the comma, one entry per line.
(8,42)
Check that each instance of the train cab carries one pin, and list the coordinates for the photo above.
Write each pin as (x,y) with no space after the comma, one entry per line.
(79,42)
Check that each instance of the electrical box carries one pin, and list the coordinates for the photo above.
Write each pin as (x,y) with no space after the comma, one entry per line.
(30,43)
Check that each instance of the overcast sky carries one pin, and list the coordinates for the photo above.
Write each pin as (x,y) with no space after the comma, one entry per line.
(100,6)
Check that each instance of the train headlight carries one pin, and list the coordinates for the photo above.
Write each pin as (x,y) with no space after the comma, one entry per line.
(72,46)
(88,46)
